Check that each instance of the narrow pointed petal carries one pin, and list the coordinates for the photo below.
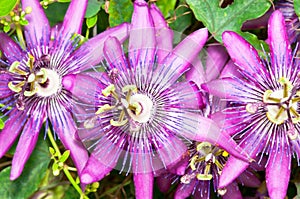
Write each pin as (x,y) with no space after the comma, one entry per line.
(278,167)
(38,27)
(233,168)
(230,70)
(143,183)
(142,35)
(93,48)
(183,55)
(201,129)
(164,35)
(243,54)
(217,57)
(74,17)
(65,127)
(280,48)
(26,145)
(226,88)
(10,49)
(114,55)
(196,73)
(94,171)
(82,87)
(11,130)
(184,190)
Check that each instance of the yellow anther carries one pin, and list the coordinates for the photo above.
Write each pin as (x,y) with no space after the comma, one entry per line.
(274,120)
(285,82)
(31,78)
(225,154)
(108,90)
(105,107)
(31,92)
(16,88)
(30,61)
(131,88)
(136,107)
(42,75)
(267,97)
(28,10)
(204,176)
(193,161)
(204,147)
(118,123)
(14,68)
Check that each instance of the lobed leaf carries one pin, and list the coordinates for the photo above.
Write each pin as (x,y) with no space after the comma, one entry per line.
(217,19)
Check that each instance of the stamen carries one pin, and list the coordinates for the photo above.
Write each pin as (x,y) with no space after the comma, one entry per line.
(222,191)
(105,107)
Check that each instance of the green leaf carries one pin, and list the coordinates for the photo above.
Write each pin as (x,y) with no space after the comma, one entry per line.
(64,156)
(119,11)
(93,7)
(56,12)
(297,7)
(31,177)
(91,22)
(6,6)
(182,21)
(166,6)
(218,19)
(64,1)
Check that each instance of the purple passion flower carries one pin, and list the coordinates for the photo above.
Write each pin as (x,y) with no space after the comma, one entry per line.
(32,81)
(141,113)
(264,105)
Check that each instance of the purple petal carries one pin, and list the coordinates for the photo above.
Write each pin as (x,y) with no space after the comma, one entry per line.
(73,18)
(232,192)
(184,190)
(204,129)
(38,26)
(164,35)
(114,54)
(65,127)
(91,51)
(249,179)
(26,144)
(11,130)
(94,170)
(164,183)
(280,49)
(217,57)
(180,167)
(82,87)
(142,35)
(187,95)
(230,70)
(10,49)
(233,168)
(183,55)
(196,73)
(143,184)
(243,54)
(278,167)
(4,90)
(226,88)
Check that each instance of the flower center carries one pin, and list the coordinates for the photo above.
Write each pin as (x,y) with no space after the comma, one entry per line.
(206,154)
(281,105)
(29,81)
(135,108)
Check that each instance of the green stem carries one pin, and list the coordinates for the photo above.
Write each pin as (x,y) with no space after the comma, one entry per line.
(65,169)
(87,33)
(20,35)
